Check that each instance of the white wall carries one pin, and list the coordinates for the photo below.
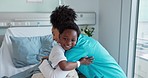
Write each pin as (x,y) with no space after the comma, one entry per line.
(25,6)
(109,25)
(114,28)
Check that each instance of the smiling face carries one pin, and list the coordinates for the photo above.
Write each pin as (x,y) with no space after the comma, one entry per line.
(68,39)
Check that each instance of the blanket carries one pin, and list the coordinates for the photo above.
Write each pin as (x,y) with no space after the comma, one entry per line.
(27,73)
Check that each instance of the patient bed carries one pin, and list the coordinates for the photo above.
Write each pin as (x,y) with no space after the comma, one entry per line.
(7,67)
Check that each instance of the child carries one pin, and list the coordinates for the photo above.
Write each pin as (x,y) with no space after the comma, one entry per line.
(59,66)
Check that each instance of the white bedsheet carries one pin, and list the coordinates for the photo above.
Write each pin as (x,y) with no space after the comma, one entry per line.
(6,66)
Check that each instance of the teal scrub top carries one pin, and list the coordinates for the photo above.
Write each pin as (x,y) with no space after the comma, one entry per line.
(103,65)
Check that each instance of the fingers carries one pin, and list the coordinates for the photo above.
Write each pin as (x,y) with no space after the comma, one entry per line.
(91,57)
(86,60)
(90,60)
(86,57)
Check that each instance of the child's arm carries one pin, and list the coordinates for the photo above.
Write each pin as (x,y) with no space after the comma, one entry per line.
(66,66)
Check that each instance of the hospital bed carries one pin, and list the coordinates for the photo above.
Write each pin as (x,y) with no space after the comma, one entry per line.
(7,66)
(25,26)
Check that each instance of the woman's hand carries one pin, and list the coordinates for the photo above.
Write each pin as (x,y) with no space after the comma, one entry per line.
(86,60)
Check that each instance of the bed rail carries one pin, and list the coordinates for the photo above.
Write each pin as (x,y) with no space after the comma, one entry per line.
(41,19)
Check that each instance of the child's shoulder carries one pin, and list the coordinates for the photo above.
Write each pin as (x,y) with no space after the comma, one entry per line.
(57,48)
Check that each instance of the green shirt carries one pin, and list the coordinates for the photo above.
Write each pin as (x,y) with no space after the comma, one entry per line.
(103,65)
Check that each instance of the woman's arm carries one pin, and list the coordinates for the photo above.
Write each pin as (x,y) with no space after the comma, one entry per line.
(66,66)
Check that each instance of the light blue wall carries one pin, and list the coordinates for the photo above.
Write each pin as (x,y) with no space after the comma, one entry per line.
(24,6)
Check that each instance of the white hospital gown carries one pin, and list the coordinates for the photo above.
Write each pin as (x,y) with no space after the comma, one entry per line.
(56,55)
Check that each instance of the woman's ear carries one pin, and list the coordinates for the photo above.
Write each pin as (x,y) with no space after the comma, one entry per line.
(60,36)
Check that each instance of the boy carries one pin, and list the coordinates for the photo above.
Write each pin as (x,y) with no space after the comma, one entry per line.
(59,67)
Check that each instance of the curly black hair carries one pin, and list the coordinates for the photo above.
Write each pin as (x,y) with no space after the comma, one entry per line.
(69,25)
(61,15)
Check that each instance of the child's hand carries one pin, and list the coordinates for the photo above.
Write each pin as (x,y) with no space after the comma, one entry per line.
(86,60)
